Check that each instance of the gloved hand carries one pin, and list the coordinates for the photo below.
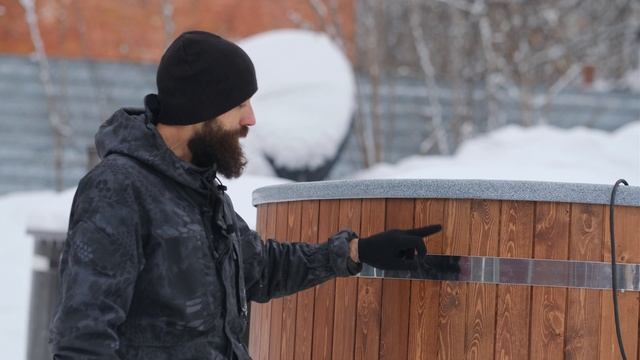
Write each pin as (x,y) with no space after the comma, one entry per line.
(395,249)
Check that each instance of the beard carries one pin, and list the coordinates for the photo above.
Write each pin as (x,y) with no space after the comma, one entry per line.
(213,145)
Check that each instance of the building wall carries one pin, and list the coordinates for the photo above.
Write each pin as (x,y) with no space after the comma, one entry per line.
(134,30)
(104,54)
(87,92)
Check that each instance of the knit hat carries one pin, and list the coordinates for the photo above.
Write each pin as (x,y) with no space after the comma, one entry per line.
(200,77)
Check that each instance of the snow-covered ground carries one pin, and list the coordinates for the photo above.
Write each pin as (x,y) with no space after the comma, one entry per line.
(16,211)
(543,153)
(538,153)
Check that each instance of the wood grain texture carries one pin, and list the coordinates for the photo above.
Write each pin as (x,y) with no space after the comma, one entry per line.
(627,228)
(289,304)
(512,323)
(256,308)
(306,298)
(582,337)
(396,294)
(350,318)
(346,295)
(325,293)
(548,306)
(453,295)
(367,337)
(425,295)
(481,298)
(265,322)
(275,343)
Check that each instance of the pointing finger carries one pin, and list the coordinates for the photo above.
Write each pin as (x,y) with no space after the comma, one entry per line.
(424,231)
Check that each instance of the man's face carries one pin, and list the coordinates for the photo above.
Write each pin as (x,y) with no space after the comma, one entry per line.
(217,141)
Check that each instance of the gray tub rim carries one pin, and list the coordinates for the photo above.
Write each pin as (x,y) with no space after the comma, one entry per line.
(537,191)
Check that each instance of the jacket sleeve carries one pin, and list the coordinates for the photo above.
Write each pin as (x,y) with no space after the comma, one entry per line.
(98,270)
(273,269)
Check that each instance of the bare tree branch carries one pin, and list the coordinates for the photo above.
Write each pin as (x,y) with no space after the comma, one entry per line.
(167,21)
(459,4)
(299,21)
(429,77)
(558,86)
(61,129)
(496,116)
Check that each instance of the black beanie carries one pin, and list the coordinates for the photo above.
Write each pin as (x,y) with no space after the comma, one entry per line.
(200,77)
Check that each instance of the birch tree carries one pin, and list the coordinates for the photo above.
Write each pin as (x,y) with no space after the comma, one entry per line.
(59,126)
(475,58)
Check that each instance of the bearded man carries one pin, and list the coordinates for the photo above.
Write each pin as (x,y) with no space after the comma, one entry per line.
(157,264)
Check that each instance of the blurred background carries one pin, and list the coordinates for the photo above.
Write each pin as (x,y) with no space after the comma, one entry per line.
(429,74)
(488,89)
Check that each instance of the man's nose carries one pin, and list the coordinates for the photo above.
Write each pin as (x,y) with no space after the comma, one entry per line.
(248,118)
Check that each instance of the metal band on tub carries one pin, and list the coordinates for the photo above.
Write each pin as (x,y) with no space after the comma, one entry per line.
(516,271)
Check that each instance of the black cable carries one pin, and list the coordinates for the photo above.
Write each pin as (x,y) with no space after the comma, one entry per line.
(614,283)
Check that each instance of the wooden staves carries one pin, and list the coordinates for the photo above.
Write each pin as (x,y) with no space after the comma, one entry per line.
(323,313)
(306,298)
(481,298)
(352,318)
(368,314)
(548,305)
(425,295)
(513,303)
(396,294)
(582,338)
(344,321)
(627,228)
(290,303)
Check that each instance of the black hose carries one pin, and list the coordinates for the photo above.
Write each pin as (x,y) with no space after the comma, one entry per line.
(614,282)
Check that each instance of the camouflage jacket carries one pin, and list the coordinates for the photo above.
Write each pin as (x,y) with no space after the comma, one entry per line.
(157,265)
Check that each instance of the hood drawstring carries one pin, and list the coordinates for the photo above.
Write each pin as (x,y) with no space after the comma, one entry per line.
(208,180)
(221,187)
(230,224)
(214,211)
(215,198)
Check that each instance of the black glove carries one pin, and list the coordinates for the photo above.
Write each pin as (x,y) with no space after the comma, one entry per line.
(395,249)
(439,267)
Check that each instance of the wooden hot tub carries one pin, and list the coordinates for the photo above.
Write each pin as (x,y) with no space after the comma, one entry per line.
(369,318)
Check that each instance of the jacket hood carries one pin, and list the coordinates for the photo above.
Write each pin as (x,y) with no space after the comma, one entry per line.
(128,133)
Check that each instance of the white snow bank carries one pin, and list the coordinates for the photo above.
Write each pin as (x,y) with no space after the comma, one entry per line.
(240,191)
(18,211)
(542,153)
(305,97)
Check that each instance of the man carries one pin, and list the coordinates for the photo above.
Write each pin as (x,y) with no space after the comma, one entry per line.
(157,265)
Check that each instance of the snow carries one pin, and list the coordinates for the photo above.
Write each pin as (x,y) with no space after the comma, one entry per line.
(540,153)
(18,211)
(305,98)
(240,191)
